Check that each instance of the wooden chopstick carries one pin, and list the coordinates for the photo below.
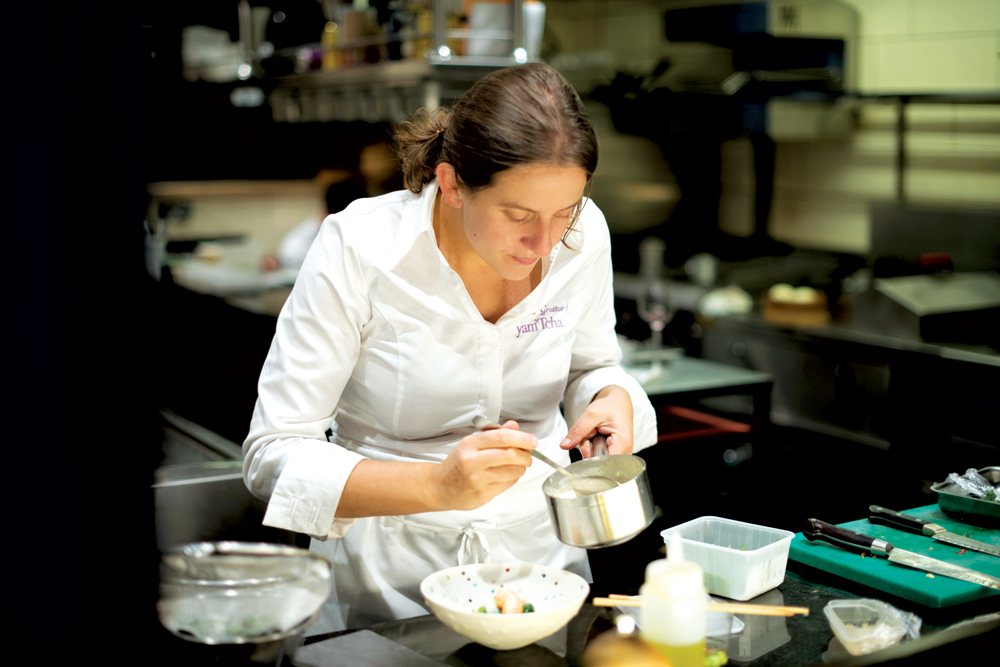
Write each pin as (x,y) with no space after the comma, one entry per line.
(615,600)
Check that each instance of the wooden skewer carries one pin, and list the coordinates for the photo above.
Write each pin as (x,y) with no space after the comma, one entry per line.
(728,607)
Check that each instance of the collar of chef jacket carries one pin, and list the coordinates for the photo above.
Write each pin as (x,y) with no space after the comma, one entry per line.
(417,225)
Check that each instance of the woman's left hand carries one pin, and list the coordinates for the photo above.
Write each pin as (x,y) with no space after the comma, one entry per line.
(610,413)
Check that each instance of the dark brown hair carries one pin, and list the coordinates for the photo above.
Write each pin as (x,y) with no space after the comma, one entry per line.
(512,116)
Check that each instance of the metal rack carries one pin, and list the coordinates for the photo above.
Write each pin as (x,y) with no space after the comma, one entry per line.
(393,90)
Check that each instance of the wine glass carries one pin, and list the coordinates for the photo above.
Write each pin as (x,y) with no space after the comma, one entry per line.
(654,309)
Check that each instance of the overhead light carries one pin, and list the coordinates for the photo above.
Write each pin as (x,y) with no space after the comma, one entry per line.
(520,55)
(243,71)
(444,52)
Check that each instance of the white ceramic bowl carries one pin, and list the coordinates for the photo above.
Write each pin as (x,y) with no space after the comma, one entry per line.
(454,595)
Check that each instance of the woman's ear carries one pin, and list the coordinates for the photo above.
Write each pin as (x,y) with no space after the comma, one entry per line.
(448,184)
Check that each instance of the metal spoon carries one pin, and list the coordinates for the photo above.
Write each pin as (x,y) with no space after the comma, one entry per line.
(582,486)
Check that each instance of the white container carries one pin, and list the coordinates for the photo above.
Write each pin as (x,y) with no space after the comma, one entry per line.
(740,560)
(864,626)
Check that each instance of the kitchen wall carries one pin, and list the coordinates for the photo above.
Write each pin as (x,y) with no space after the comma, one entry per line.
(823,187)
(264,216)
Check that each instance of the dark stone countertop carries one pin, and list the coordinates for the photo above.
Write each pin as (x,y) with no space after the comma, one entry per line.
(773,641)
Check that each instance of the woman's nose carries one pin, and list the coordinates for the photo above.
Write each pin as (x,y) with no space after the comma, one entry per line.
(543,238)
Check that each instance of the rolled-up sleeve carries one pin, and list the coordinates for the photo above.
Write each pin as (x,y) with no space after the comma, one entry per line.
(596,358)
(287,458)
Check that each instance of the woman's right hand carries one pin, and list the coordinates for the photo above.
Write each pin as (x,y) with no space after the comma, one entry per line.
(482,466)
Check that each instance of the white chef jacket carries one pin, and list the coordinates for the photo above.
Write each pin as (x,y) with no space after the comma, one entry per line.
(381,343)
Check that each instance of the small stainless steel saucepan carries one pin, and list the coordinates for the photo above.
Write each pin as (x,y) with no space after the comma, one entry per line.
(606,518)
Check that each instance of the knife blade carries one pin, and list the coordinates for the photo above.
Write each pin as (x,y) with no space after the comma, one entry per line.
(888,517)
(854,541)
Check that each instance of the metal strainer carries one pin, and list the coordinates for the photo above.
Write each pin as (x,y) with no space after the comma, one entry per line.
(241,592)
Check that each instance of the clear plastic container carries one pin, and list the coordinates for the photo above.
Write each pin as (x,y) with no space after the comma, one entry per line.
(740,560)
(864,626)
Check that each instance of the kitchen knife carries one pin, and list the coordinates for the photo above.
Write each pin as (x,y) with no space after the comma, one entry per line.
(914,524)
(854,541)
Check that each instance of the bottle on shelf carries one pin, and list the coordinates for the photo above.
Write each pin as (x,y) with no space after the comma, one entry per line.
(331,59)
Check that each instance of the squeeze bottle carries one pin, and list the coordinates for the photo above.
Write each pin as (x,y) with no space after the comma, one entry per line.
(673,608)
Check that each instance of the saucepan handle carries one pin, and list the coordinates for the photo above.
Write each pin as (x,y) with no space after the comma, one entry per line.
(598,445)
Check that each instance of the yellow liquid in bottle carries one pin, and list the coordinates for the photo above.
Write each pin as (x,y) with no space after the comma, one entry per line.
(691,655)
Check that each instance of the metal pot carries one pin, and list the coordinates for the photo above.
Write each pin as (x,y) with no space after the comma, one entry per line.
(606,518)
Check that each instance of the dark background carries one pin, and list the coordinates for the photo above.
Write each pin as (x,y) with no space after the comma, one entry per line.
(84,342)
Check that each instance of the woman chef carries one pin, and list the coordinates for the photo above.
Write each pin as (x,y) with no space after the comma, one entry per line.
(485,288)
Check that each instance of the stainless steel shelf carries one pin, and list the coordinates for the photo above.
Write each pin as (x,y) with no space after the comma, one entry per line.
(392,73)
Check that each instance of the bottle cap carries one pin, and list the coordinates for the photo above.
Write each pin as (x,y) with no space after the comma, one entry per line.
(673,576)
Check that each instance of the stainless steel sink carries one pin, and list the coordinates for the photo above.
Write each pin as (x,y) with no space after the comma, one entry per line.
(204,497)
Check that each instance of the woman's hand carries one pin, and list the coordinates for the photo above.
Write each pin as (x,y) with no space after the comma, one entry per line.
(483,465)
(610,413)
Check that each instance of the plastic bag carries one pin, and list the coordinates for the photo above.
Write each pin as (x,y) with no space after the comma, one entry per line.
(972,483)
(867,625)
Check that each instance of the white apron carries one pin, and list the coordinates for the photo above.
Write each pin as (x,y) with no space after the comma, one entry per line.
(379,563)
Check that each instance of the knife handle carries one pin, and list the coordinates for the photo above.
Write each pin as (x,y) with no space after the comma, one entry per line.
(889,517)
(814,529)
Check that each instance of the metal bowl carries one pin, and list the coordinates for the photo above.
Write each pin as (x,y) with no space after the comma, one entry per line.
(241,592)
(957,503)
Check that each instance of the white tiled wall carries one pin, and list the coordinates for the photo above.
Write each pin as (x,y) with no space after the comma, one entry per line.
(822,188)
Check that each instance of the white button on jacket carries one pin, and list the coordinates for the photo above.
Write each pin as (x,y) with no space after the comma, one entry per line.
(380,342)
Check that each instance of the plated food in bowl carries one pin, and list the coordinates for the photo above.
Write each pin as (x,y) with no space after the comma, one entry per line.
(463,597)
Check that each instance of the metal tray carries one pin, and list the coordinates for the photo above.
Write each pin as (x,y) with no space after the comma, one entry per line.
(954,501)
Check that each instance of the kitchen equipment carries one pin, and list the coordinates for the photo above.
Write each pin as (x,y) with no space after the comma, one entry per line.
(241,592)
(955,307)
(855,541)
(454,595)
(601,519)
(583,485)
(864,626)
(917,525)
(207,501)
(740,560)
(906,583)
(957,503)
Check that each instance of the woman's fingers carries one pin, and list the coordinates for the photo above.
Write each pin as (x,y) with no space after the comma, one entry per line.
(580,432)
(502,438)
(483,465)
(610,413)
(497,457)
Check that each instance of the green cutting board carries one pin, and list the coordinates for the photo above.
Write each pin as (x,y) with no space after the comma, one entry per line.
(902,581)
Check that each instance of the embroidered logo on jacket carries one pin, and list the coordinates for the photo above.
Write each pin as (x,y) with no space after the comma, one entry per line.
(545,320)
